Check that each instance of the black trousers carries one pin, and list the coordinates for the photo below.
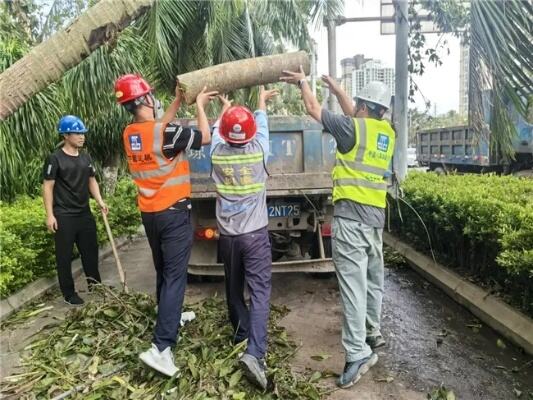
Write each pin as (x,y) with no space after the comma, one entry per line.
(170,235)
(82,231)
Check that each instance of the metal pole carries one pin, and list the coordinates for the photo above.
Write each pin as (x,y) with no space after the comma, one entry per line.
(313,66)
(332,56)
(401,89)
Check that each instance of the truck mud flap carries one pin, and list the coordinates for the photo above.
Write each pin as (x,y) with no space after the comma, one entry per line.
(312,265)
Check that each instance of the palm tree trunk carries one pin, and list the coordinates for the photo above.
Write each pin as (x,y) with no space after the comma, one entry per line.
(47,62)
(243,73)
(110,175)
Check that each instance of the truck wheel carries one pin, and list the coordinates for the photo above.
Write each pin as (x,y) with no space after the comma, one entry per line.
(195,278)
(276,255)
(315,252)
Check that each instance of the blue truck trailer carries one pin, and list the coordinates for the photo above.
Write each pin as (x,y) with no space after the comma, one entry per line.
(459,149)
(298,194)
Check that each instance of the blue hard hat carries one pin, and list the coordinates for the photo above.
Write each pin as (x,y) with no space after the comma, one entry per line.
(71,124)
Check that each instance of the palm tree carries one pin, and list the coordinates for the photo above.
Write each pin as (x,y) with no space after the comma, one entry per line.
(172,37)
(501,66)
(47,62)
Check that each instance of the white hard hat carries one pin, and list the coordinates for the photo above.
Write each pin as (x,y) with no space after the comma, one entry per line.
(376,92)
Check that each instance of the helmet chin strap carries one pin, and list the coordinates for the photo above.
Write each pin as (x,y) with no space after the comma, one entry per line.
(156,105)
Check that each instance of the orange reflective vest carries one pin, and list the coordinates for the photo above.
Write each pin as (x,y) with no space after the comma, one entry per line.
(160,181)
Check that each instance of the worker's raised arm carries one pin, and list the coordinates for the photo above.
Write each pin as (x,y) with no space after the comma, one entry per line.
(264,96)
(172,110)
(202,100)
(216,139)
(312,105)
(345,102)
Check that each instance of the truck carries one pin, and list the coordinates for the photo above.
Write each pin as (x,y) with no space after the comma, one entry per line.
(459,149)
(299,200)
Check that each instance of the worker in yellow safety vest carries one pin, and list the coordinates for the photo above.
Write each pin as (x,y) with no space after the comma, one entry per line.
(365,145)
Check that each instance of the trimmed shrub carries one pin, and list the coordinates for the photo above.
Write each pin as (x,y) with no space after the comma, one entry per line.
(481,224)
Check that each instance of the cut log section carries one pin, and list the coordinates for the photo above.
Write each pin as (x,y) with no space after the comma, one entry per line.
(241,74)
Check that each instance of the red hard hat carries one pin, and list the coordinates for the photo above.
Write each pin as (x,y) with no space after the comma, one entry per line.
(129,87)
(237,125)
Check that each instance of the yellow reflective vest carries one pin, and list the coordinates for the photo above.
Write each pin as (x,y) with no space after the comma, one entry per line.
(359,174)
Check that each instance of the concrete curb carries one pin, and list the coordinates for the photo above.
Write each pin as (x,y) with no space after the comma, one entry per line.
(509,322)
(37,288)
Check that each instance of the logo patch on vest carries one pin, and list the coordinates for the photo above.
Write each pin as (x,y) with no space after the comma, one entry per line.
(383,142)
(135,142)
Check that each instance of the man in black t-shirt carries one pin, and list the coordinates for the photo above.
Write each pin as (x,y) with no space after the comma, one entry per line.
(69,178)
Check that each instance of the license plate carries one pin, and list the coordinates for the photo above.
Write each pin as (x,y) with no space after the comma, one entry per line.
(284,210)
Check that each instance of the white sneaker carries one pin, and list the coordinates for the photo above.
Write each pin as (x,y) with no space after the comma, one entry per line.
(162,361)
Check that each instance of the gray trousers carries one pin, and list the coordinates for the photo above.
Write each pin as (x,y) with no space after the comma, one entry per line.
(358,258)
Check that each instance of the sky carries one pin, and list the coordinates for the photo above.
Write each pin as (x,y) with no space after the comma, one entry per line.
(440,85)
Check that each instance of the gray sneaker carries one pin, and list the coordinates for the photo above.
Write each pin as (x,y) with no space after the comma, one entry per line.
(254,369)
(375,341)
(353,371)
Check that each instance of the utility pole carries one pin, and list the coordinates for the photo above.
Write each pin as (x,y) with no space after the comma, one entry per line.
(401,88)
(313,66)
(332,55)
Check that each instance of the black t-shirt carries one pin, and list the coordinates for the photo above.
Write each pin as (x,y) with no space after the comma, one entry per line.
(71,175)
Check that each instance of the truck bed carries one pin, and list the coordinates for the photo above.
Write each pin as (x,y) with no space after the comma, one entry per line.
(300,161)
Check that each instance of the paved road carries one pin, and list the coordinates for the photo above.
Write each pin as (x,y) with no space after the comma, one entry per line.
(429,341)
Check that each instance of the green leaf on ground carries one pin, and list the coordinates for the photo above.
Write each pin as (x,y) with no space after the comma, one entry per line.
(321,357)
(98,354)
(501,344)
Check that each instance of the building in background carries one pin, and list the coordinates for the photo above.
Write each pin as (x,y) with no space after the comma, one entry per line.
(348,65)
(463,79)
(372,70)
(358,71)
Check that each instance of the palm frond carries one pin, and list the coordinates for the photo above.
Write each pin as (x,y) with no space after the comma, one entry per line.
(501,64)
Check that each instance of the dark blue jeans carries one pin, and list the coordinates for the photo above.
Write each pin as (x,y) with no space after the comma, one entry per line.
(170,236)
(247,259)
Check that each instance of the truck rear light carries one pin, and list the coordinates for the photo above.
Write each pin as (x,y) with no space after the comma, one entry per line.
(325,229)
(207,234)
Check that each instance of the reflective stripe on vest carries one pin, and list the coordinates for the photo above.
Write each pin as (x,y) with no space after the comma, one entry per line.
(237,159)
(160,182)
(178,180)
(238,174)
(241,189)
(359,174)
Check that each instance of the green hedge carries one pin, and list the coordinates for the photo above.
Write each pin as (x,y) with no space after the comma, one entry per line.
(480,224)
(27,248)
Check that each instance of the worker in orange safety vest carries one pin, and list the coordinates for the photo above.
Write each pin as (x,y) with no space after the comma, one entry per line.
(156,151)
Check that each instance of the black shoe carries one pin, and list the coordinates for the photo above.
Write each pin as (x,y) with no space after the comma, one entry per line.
(74,300)
(375,341)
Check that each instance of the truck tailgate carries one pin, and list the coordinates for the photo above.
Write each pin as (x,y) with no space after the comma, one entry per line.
(301,159)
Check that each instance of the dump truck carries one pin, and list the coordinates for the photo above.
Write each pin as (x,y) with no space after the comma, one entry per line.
(300,208)
(459,149)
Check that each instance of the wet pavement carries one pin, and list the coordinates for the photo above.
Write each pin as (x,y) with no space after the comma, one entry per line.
(431,340)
